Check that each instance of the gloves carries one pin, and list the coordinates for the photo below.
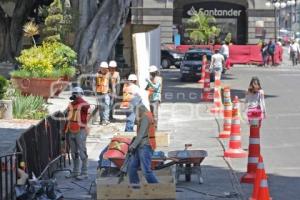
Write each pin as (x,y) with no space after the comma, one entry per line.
(131,149)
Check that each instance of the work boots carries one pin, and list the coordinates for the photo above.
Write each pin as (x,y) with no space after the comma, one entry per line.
(75,171)
(84,172)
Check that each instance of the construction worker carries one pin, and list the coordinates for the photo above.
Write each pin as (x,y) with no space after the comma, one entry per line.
(103,92)
(77,131)
(154,89)
(130,91)
(142,147)
(115,86)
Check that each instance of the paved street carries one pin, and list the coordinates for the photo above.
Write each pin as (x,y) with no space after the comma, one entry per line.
(279,133)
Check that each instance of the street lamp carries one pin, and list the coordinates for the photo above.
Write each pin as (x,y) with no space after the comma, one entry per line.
(279,4)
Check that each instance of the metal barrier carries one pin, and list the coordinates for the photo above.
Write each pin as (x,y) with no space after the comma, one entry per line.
(42,148)
(8,175)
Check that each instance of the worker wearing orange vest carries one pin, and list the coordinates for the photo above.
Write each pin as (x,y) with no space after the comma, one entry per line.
(103,91)
(130,91)
(115,86)
(77,131)
(142,147)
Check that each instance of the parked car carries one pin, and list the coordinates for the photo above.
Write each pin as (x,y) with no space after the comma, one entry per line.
(171,57)
(191,65)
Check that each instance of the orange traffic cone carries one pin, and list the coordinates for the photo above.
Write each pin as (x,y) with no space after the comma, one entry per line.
(217,108)
(207,94)
(254,153)
(235,146)
(260,188)
(258,177)
(227,114)
(204,63)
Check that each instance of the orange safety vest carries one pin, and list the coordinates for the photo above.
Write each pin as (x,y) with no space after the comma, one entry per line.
(102,83)
(151,130)
(127,96)
(73,124)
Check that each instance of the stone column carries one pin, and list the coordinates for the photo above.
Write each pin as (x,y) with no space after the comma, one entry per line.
(265,15)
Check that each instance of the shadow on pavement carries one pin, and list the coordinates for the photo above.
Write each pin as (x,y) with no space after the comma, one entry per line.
(281,187)
(8,139)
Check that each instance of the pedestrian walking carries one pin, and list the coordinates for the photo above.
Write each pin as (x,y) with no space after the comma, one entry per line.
(142,147)
(294,51)
(77,131)
(103,93)
(154,86)
(114,85)
(217,63)
(255,102)
(225,50)
(264,53)
(271,51)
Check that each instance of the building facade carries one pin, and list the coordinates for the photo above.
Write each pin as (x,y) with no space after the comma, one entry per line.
(248,21)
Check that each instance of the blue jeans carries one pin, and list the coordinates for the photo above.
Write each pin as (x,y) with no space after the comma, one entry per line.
(104,106)
(130,119)
(141,158)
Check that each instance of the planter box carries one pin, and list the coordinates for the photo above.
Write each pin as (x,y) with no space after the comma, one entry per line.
(45,87)
(6,110)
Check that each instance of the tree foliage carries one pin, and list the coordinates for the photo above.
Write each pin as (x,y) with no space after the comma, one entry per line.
(99,24)
(228,37)
(54,21)
(201,27)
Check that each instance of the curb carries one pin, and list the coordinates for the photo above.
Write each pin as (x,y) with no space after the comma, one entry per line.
(234,178)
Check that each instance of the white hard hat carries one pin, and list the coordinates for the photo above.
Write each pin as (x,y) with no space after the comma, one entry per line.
(153,68)
(77,90)
(104,64)
(132,77)
(112,63)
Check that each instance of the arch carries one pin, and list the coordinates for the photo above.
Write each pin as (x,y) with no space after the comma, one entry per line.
(231,16)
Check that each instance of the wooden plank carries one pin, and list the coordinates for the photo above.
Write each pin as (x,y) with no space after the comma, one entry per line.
(125,191)
(109,189)
(162,137)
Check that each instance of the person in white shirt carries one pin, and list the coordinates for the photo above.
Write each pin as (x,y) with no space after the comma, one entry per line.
(217,63)
(294,51)
(225,50)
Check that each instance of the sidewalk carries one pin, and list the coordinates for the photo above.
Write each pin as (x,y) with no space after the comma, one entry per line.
(201,131)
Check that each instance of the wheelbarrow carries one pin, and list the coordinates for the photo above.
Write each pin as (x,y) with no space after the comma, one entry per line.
(189,162)
(186,162)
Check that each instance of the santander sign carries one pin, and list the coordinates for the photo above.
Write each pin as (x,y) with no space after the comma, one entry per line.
(216,13)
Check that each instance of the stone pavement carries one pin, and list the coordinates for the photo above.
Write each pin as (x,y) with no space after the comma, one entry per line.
(200,130)
(219,180)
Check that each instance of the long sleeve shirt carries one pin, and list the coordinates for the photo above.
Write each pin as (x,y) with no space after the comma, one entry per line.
(142,133)
(156,87)
(253,100)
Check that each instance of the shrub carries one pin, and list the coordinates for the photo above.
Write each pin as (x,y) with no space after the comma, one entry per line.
(54,21)
(50,60)
(28,107)
(3,86)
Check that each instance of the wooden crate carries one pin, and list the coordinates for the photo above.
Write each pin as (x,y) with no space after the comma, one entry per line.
(162,137)
(109,189)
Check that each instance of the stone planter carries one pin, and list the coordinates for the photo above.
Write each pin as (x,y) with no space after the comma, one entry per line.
(6,109)
(45,87)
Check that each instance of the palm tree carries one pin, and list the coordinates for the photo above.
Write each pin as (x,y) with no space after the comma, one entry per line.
(201,27)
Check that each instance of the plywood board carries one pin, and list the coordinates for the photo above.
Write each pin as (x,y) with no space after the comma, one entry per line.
(109,189)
